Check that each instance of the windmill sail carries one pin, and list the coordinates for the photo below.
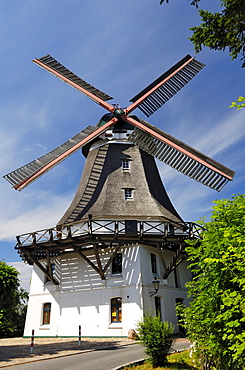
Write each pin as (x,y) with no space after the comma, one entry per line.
(180,156)
(24,175)
(57,69)
(167,85)
(154,141)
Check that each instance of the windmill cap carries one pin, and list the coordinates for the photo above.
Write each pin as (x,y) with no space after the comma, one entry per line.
(120,124)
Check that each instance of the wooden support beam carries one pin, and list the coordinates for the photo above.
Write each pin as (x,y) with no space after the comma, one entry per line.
(111,258)
(40,266)
(101,271)
(96,253)
(49,264)
(86,259)
(175,261)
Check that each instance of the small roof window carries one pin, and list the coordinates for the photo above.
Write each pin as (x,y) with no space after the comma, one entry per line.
(125,164)
(128,193)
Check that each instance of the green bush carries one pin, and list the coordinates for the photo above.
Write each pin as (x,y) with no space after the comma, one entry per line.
(215,319)
(13,300)
(157,337)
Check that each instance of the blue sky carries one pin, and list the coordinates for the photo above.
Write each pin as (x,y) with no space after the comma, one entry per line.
(119,47)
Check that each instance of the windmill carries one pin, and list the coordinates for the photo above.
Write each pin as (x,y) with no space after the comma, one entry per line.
(121,229)
(154,141)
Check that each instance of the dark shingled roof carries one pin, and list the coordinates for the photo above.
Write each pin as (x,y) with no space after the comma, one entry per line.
(101,189)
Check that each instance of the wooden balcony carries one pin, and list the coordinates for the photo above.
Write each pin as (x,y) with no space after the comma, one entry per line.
(42,246)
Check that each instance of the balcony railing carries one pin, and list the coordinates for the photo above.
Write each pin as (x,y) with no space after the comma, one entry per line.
(90,227)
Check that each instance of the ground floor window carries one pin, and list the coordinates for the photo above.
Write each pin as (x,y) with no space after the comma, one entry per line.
(46,313)
(116,309)
(158,307)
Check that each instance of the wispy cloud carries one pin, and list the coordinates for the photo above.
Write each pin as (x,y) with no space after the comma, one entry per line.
(25,216)
(221,135)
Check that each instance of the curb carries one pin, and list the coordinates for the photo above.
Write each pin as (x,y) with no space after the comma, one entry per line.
(138,362)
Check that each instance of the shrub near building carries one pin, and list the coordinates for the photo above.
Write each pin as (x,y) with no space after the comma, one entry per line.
(157,337)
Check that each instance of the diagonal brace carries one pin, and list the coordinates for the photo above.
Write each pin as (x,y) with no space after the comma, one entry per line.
(46,273)
(177,259)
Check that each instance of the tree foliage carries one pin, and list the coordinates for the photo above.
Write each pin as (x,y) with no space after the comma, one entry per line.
(12,302)
(239,103)
(157,337)
(221,30)
(215,320)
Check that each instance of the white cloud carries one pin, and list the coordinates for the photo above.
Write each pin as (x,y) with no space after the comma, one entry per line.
(221,135)
(44,213)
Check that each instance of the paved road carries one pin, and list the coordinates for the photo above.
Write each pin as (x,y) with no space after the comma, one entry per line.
(101,359)
(106,359)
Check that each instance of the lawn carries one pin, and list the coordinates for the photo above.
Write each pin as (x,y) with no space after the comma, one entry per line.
(176,361)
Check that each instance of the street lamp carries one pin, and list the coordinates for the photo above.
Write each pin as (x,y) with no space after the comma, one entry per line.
(155,285)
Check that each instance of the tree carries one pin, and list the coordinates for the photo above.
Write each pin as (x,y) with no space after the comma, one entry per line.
(157,336)
(12,302)
(221,30)
(215,320)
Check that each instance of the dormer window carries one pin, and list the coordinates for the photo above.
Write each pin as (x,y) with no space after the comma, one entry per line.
(125,165)
(128,193)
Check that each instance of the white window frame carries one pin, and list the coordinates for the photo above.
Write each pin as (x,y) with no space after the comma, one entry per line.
(128,194)
(125,165)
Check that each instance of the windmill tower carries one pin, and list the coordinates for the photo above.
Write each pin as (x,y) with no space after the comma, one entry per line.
(119,249)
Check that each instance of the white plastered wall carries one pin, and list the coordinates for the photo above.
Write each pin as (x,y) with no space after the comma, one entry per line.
(83,298)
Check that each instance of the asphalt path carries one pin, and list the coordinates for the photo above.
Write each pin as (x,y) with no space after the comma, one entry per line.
(106,359)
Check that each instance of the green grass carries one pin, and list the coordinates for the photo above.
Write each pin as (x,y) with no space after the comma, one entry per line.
(177,361)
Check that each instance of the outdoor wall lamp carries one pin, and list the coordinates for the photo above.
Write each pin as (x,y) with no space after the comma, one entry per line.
(155,285)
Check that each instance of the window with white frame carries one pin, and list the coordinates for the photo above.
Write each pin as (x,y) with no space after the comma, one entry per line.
(128,193)
(46,313)
(125,165)
(116,309)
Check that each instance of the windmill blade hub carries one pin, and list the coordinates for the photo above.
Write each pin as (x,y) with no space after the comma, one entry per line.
(118,113)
